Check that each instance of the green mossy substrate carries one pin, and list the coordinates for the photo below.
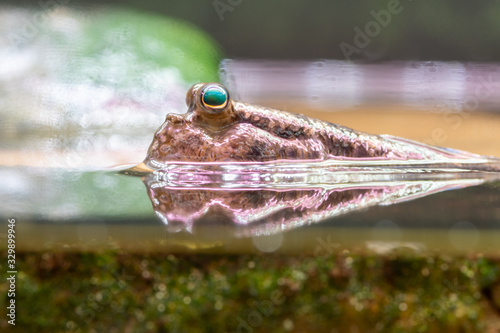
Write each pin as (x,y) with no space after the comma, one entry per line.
(157,292)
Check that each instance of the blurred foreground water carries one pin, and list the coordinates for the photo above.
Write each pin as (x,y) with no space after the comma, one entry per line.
(103,210)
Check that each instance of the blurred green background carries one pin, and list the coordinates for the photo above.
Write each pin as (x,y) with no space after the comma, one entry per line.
(293,29)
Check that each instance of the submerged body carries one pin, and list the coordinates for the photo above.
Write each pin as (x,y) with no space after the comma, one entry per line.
(250,211)
(216,129)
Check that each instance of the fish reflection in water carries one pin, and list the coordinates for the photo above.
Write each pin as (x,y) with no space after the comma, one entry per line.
(252,211)
(264,171)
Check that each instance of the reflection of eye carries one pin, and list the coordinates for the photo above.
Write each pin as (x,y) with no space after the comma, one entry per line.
(214,97)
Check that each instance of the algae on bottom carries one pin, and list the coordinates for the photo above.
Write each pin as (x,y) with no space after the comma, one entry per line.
(85,292)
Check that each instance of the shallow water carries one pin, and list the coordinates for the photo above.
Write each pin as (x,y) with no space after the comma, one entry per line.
(107,210)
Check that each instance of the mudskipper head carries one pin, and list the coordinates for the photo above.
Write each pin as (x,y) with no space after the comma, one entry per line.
(211,106)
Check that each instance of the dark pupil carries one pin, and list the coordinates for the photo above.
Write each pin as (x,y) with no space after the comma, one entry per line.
(214,97)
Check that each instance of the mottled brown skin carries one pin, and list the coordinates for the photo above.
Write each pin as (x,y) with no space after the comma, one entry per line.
(241,132)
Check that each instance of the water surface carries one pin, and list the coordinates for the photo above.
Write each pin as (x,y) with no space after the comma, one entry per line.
(99,210)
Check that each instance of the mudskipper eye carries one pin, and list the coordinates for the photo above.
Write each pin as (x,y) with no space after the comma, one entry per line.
(214,97)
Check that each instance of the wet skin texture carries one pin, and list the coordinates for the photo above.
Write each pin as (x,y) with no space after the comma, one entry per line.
(240,132)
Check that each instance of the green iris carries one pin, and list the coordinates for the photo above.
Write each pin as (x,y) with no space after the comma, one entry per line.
(214,97)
